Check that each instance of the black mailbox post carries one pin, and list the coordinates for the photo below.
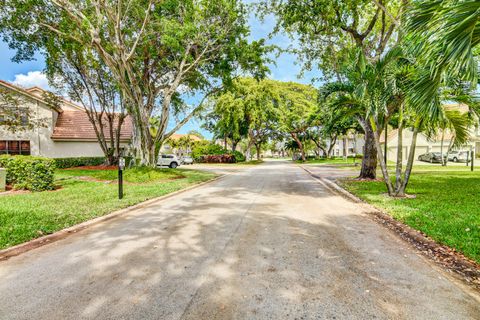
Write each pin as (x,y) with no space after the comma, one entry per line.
(121,166)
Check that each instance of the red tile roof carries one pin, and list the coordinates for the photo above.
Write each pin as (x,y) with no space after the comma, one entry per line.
(25,92)
(75,125)
(177,136)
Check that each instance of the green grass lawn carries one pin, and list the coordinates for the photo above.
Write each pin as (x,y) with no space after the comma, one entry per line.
(336,161)
(446,207)
(83,195)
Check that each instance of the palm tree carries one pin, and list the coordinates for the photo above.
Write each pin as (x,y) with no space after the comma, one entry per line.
(444,34)
(376,91)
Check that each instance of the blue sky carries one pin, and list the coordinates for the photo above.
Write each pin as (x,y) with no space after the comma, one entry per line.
(29,73)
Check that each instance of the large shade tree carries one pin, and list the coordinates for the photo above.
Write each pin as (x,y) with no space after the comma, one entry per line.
(226,118)
(156,51)
(297,110)
(328,31)
(89,83)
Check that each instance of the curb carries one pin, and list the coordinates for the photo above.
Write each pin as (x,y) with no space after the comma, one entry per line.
(333,186)
(441,255)
(61,234)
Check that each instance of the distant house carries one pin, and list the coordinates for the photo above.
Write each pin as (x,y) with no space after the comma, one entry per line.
(174,144)
(61,131)
(348,145)
(427,144)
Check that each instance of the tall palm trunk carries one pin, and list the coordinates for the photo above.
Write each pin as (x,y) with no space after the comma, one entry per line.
(400,192)
(383,165)
(450,146)
(441,148)
(369,161)
(399,164)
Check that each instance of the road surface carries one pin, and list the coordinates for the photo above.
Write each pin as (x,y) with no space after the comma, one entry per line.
(265,242)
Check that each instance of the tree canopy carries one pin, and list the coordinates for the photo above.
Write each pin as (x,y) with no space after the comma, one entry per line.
(156,51)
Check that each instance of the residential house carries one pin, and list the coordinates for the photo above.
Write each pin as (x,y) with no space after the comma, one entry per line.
(174,144)
(60,130)
(427,144)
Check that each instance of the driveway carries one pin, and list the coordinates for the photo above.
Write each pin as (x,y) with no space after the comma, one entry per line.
(266,242)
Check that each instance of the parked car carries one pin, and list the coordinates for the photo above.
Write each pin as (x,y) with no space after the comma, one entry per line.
(432,157)
(459,156)
(187,160)
(169,160)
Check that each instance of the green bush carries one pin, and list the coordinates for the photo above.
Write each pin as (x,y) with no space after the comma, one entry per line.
(205,148)
(238,156)
(63,163)
(29,173)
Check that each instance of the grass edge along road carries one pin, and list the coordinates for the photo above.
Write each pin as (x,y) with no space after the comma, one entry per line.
(445,206)
(83,195)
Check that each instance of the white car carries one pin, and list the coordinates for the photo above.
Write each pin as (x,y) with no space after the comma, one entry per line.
(168,160)
(459,156)
(187,160)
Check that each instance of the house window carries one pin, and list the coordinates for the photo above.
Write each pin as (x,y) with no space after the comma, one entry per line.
(14,147)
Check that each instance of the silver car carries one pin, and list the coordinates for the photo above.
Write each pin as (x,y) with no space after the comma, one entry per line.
(432,157)
(459,156)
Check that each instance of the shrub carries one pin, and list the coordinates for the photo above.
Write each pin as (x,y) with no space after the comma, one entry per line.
(218,158)
(63,163)
(238,156)
(29,173)
(203,149)
(206,148)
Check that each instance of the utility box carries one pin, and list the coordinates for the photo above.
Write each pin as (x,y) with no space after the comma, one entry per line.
(3,179)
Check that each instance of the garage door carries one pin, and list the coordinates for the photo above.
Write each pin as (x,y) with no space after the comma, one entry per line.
(419,151)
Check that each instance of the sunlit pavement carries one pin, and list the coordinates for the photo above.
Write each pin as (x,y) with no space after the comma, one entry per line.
(264,242)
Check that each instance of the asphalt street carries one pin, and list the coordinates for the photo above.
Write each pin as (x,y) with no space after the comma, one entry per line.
(264,242)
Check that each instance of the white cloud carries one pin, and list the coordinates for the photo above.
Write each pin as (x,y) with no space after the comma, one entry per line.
(32,79)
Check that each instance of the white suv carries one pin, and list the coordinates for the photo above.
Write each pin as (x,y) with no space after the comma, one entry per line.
(169,160)
(459,156)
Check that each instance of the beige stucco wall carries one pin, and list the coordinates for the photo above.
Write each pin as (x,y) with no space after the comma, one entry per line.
(39,137)
(423,145)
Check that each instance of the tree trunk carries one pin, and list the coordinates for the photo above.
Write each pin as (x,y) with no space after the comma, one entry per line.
(383,165)
(333,141)
(369,161)
(147,156)
(248,151)
(401,191)
(450,146)
(300,146)
(234,145)
(257,146)
(441,148)
(398,169)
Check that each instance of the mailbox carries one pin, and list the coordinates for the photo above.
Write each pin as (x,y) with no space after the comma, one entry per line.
(121,163)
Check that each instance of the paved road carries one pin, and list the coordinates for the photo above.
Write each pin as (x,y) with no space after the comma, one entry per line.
(267,242)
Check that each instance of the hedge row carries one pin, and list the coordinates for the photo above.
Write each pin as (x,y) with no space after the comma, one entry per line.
(28,172)
(218,158)
(205,149)
(63,163)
